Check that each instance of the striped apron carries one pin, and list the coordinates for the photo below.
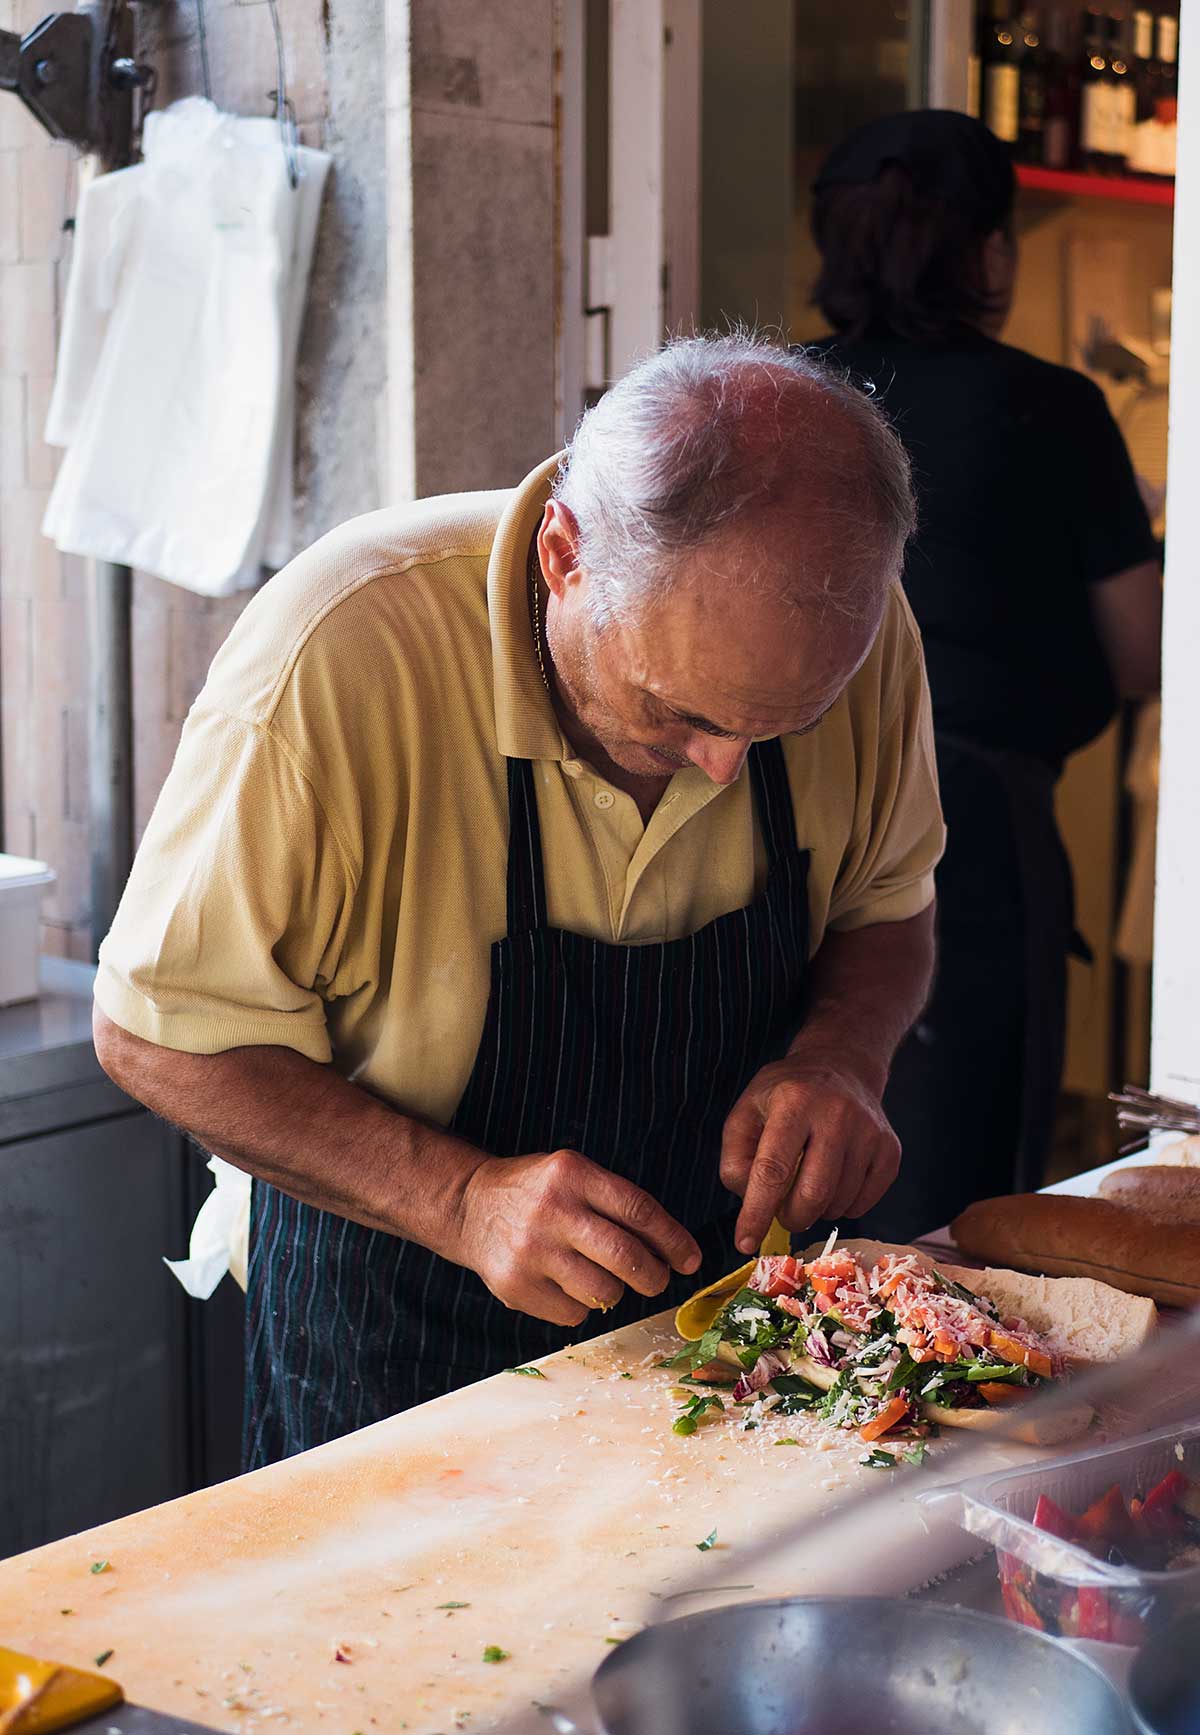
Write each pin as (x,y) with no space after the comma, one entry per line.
(633,1055)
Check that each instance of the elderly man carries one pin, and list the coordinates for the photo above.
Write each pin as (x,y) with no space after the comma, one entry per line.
(538,870)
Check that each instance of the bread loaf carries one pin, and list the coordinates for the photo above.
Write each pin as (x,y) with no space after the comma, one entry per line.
(1157,1188)
(1058,1235)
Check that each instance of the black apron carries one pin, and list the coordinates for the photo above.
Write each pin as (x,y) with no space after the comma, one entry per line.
(633,1055)
(974,1086)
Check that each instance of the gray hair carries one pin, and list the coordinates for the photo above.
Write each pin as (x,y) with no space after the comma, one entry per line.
(708,436)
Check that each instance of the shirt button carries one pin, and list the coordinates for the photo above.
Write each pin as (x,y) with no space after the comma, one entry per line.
(605,798)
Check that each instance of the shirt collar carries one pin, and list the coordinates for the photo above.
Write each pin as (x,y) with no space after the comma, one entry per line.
(526,726)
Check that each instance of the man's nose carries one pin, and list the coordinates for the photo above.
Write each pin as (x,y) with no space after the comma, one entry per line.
(720,760)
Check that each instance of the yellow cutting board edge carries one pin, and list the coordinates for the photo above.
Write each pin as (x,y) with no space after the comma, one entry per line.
(697,1313)
(37,1697)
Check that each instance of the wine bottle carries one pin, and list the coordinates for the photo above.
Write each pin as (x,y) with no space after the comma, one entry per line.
(1166,96)
(1033,89)
(1097,91)
(1145,82)
(1001,81)
(1062,107)
(1124,97)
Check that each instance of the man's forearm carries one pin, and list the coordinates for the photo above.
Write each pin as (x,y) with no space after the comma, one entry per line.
(866,989)
(287,1120)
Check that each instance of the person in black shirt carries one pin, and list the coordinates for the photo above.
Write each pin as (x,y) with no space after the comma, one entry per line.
(1035,579)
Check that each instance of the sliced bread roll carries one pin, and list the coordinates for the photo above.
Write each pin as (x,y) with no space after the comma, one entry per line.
(1162,1189)
(1060,1235)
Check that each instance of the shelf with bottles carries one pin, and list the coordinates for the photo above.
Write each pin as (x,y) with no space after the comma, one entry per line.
(1087,92)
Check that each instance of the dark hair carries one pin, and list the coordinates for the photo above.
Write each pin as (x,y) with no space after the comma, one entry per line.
(898,260)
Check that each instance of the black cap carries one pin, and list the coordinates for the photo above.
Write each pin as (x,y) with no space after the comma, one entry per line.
(948,155)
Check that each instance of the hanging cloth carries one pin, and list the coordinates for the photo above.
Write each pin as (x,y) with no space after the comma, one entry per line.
(174,390)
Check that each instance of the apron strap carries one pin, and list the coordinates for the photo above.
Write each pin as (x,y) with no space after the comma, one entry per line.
(773,798)
(526,874)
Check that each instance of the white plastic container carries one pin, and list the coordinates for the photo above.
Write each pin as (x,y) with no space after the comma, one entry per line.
(999,1508)
(22,883)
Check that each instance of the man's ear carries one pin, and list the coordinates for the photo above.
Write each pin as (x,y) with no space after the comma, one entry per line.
(558,548)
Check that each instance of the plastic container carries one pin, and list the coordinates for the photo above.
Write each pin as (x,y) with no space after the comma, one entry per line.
(22,883)
(1056,1585)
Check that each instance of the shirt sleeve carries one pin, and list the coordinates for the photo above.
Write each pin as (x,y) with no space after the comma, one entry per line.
(1105,514)
(887,875)
(234,917)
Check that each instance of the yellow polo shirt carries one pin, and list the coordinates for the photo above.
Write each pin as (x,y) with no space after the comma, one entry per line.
(325,866)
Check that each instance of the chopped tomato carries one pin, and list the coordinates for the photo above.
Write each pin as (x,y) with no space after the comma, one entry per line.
(833,1269)
(790,1304)
(777,1274)
(1048,1515)
(892,1412)
(1000,1392)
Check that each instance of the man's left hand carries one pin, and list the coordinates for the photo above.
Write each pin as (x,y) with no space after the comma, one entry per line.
(807,1139)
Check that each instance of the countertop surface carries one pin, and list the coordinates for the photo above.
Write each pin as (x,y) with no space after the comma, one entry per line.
(357,1588)
(562,1513)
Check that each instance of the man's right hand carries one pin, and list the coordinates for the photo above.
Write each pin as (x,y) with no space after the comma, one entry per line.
(557,1235)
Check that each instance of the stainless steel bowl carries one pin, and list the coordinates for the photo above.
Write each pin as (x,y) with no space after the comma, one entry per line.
(1164,1683)
(842,1665)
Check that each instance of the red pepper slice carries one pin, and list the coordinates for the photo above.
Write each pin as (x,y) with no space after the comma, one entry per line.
(1160,1508)
(1106,1519)
(1019,1608)
(1048,1515)
(1095,1615)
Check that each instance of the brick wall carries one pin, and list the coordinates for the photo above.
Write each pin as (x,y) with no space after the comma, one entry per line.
(439,223)
(43,673)
(335,77)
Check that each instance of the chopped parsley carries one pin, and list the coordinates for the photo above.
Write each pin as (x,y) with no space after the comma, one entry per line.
(528,1373)
(495,1654)
(103,1658)
(879,1459)
(787,1442)
(710,1541)
(454,1605)
(100,1566)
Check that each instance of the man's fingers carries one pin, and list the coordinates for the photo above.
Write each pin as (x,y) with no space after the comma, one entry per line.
(588,1282)
(634,1209)
(880,1174)
(855,1166)
(545,1300)
(739,1143)
(620,1256)
(771,1176)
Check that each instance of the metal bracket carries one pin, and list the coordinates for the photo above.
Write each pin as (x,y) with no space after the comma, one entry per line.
(75,73)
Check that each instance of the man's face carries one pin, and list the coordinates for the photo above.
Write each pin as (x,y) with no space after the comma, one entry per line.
(718,663)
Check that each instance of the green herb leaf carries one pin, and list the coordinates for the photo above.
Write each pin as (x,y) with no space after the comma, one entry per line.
(917,1455)
(694,1355)
(906,1368)
(100,1566)
(626,1376)
(1011,1373)
(454,1605)
(878,1459)
(103,1658)
(614,1641)
(787,1442)
(710,1541)
(688,1419)
(494,1654)
(528,1373)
